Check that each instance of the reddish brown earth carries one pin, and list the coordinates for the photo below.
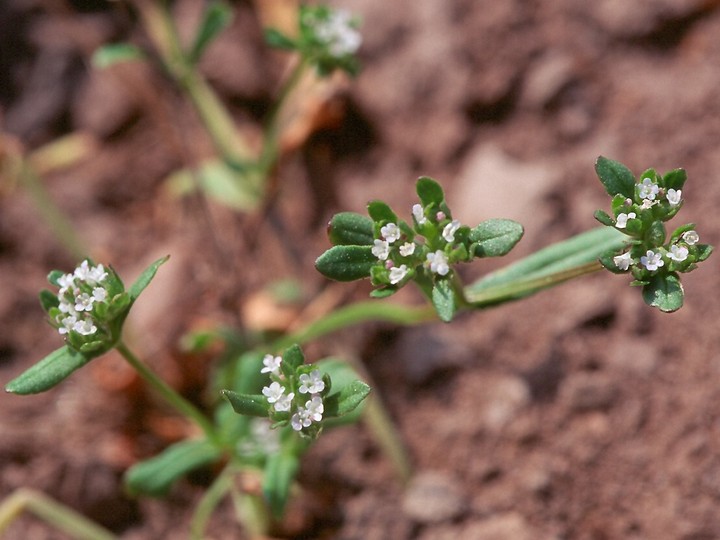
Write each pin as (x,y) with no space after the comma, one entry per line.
(579,413)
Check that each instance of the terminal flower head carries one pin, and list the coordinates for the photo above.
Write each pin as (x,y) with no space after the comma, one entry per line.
(311,383)
(648,189)
(651,260)
(438,262)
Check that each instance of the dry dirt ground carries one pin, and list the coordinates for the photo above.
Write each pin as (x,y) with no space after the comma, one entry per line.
(579,413)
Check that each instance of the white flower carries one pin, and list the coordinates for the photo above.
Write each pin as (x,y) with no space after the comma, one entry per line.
(65,282)
(312,383)
(407,249)
(84,302)
(85,327)
(398,274)
(271,364)
(68,323)
(66,307)
(622,219)
(390,232)
(691,237)
(338,33)
(623,261)
(450,229)
(438,262)
(651,260)
(419,214)
(647,189)
(674,197)
(90,274)
(647,203)
(381,249)
(99,294)
(273,392)
(315,408)
(283,403)
(300,419)
(678,253)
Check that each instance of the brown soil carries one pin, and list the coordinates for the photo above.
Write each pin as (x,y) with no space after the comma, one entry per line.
(579,413)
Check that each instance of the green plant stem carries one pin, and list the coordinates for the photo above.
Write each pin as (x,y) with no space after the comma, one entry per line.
(52,512)
(356,314)
(209,501)
(186,408)
(57,221)
(522,287)
(387,436)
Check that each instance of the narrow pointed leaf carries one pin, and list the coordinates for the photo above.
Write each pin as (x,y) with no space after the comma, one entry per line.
(247,404)
(156,476)
(279,473)
(145,278)
(346,263)
(48,372)
(48,299)
(443,298)
(216,17)
(350,229)
(496,237)
(429,191)
(616,177)
(664,292)
(604,218)
(114,53)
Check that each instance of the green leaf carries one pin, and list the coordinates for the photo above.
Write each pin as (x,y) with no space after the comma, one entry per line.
(443,298)
(216,17)
(384,292)
(496,237)
(48,300)
(51,370)
(656,233)
(379,211)
(277,39)
(429,191)
(279,473)
(346,263)
(114,53)
(350,229)
(604,218)
(155,476)
(616,177)
(145,278)
(293,358)
(247,404)
(674,179)
(346,399)
(664,292)
(220,181)
(703,251)
(53,277)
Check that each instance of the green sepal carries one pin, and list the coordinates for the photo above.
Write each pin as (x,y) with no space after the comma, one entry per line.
(350,229)
(216,17)
(247,404)
(664,292)
(495,237)
(292,358)
(145,279)
(604,218)
(345,400)
(114,53)
(443,298)
(48,372)
(154,477)
(277,39)
(346,263)
(384,292)
(674,179)
(48,300)
(656,234)
(429,191)
(616,177)
(278,475)
(381,212)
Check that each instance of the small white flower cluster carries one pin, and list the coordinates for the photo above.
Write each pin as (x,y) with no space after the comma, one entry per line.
(311,384)
(338,32)
(79,292)
(648,191)
(652,260)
